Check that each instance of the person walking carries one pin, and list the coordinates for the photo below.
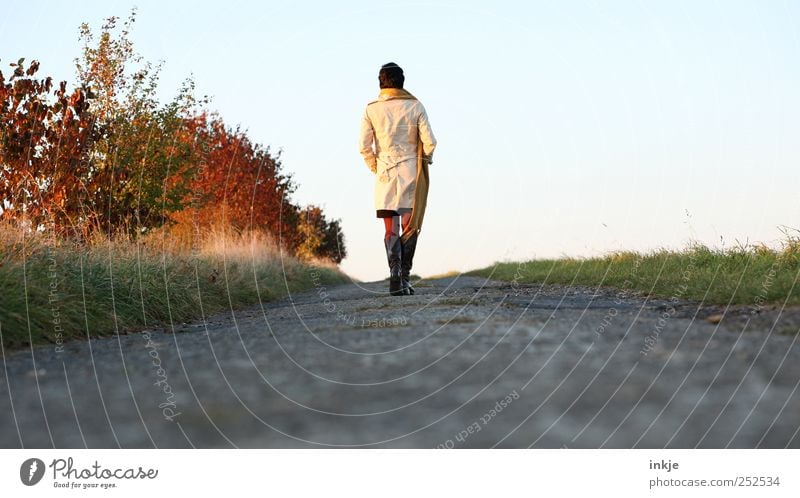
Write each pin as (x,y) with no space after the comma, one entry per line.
(397,144)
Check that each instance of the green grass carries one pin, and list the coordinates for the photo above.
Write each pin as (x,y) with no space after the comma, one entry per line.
(750,275)
(52,292)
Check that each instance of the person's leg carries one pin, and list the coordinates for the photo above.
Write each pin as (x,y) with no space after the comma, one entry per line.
(391,240)
(408,246)
(389,225)
(406,220)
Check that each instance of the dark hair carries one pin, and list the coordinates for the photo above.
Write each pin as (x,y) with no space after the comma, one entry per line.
(391,76)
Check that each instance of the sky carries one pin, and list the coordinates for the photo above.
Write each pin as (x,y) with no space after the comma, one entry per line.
(570,128)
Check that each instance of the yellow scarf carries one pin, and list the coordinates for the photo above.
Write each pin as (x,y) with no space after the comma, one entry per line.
(423,178)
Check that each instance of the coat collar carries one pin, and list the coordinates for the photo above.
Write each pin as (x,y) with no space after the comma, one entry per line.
(392,94)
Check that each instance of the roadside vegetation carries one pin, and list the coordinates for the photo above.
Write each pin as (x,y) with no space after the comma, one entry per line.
(55,291)
(746,274)
(120,211)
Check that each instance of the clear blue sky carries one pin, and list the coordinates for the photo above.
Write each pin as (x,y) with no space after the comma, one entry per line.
(564,128)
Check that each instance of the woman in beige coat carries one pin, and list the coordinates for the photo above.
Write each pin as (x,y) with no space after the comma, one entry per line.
(397,144)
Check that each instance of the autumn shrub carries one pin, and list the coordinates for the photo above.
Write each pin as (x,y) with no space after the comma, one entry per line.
(105,156)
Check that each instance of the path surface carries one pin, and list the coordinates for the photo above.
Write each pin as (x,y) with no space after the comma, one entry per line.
(464,363)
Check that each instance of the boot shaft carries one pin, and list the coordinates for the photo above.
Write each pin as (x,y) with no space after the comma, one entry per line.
(394,255)
(408,247)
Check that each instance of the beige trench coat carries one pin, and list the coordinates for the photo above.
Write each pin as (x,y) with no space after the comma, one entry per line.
(389,130)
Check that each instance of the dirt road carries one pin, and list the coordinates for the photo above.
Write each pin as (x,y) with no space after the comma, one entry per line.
(464,363)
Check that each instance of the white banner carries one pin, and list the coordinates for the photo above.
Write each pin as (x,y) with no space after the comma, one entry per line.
(399,473)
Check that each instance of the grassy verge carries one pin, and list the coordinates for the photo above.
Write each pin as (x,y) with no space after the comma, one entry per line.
(752,275)
(53,291)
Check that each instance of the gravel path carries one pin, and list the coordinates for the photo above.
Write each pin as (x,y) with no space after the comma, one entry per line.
(464,363)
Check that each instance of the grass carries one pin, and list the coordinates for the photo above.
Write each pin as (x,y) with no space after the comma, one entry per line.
(54,291)
(451,273)
(749,275)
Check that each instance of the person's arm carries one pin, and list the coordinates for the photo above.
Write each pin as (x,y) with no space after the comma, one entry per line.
(426,135)
(366,143)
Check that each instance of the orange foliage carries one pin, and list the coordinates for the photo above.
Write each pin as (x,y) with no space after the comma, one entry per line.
(108,156)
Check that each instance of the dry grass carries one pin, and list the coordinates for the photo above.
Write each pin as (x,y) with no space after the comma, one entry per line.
(54,290)
(746,274)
